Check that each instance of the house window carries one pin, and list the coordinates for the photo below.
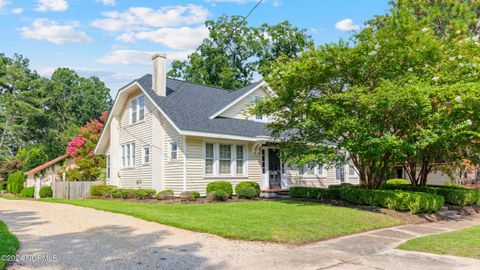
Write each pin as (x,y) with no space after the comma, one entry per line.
(240,160)
(108,166)
(312,168)
(128,155)
(263,161)
(225,158)
(209,158)
(173,151)
(351,170)
(137,109)
(146,155)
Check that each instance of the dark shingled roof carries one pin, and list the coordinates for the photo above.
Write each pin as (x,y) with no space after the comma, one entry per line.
(189,106)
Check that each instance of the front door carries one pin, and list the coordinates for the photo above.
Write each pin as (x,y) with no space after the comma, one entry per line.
(274,169)
(340,173)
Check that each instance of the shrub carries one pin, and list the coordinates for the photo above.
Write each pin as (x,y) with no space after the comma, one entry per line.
(189,196)
(220,185)
(315,193)
(247,192)
(452,195)
(217,195)
(196,194)
(398,181)
(28,192)
(141,194)
(414,202)
(46,192)
(15,182)
(102,190)
(165,194)
(242,185)
(341,185)
(3,186)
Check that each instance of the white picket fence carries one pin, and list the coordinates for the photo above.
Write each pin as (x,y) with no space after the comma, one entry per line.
(73,189)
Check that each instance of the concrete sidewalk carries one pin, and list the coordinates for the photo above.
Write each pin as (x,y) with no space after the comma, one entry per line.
(84,238)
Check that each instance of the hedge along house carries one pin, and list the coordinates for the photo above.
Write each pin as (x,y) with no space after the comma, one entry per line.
(165,133)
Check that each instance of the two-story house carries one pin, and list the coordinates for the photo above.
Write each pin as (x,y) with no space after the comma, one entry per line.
(165,133)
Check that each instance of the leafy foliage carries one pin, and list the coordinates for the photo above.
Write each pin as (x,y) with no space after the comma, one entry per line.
(312,193)
(241,185)
(46,192)
(28,192)
(102,190)
(217,195)
(189,196)
(220,185)
(247,192)
(89,167)
(15,182)
(399,92)
(233,52)
(166,194)
(397,182)
(414,202)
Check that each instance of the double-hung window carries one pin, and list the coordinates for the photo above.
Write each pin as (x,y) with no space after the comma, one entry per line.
(128,155)
(209,158)
(312,168)
(173,153)
(137,109)
(146,155)
(240,160)
(351,170)
(225,159)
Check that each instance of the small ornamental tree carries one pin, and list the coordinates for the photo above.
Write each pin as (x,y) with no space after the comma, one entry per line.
(89,167)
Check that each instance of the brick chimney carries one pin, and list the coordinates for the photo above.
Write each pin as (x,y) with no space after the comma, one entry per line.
(159,76)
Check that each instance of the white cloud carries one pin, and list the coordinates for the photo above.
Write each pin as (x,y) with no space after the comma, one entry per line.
(136,57)
(140,18)
(44,29)
(17,10)
(52,5)
(182,38)
(346,25)
(108,2)
(3,3)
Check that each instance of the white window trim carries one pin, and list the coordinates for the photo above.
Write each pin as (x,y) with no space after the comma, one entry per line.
(233,159)
(149,155)
(128,157)
(170,150)
(137,97)
(354,171)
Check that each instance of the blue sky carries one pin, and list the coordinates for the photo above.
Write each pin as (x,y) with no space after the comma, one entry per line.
(114,39)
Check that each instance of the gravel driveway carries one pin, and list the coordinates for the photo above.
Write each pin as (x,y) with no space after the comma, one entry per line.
(59,236)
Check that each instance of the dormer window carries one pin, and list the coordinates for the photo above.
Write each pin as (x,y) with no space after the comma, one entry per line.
(137,109)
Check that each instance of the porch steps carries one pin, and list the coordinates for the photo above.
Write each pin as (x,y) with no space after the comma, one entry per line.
(274,193)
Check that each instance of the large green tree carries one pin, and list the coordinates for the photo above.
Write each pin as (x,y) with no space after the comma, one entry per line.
(234,52)
(400,92)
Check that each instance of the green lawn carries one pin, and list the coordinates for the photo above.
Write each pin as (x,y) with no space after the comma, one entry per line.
(275,221)
(465,243)
(8,244)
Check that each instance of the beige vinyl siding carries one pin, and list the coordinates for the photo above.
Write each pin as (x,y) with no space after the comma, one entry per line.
(319,181)
(173,169)
(139,133)
(196,179)
(240,109)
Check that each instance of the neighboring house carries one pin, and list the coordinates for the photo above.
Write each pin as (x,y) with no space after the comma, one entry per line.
(165,133)
(46,173)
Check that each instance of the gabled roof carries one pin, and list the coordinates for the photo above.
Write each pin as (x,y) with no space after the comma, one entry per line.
(190,106)
(45,165)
